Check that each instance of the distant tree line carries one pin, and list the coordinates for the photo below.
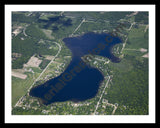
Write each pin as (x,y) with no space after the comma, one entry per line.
(20,17)
(142,17)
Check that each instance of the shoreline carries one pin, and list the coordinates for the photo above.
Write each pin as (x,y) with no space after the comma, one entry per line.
(72,68)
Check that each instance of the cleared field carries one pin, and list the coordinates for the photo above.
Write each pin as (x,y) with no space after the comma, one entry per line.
(143,50)
(146,55)
(17,31)
(18,70)
(137,38)
(48,33)
(20,86)
(48,57)
(19,75)
(33,62)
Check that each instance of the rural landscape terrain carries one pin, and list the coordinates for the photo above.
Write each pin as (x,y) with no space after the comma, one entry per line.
(39,54)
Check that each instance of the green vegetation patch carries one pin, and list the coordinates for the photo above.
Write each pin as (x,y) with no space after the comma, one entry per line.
(130,88)
(21,17)
(21,111)
(124,65)
(44,63)
(142,17)
(35,32)
(137,38)
(20,86)
(28,47)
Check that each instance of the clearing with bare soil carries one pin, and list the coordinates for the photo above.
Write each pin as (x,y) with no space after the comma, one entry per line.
(33,62)
(19,75)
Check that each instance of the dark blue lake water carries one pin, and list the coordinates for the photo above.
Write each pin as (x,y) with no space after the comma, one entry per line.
(79,81)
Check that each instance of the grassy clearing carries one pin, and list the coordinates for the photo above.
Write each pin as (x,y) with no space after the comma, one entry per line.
(123,66)
(48,33)
(137,38)
(20,87)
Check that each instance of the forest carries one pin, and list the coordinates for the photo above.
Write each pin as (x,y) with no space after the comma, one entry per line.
(142,17)
(22,18)
(34,32)
(130,85)
(54,23)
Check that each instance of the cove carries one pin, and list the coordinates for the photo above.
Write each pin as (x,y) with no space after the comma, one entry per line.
(79,81)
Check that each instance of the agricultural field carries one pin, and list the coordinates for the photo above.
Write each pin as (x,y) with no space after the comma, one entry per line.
(22,86)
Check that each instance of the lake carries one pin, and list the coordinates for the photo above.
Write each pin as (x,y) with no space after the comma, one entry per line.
(79,81)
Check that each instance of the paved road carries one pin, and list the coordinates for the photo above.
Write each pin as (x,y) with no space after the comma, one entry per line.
(78,27)
(101,95)
(147,26)
(46,66)
(20,100)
